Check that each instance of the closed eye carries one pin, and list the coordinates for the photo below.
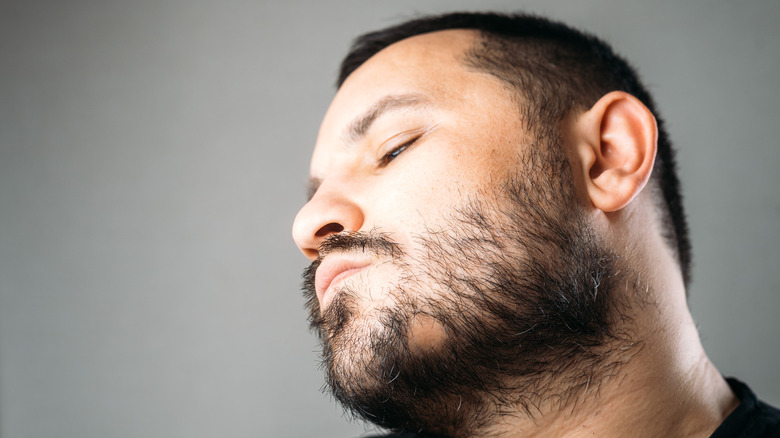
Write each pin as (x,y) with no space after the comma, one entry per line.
(395,152)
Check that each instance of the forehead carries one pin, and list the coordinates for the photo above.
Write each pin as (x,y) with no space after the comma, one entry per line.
(427,68)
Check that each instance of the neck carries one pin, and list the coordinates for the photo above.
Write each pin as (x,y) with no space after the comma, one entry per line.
(662,391)
(668,387)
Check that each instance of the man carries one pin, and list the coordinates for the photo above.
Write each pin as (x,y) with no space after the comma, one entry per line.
(498,244)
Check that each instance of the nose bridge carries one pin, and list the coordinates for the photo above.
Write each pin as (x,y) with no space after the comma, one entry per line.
(329,211)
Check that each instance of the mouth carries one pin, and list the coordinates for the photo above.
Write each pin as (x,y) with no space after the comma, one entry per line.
(332,271)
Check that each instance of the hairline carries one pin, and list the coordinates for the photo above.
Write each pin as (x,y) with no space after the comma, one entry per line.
(469,59)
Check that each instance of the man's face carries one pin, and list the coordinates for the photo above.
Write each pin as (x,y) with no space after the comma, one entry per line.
(409,135)
(451,262)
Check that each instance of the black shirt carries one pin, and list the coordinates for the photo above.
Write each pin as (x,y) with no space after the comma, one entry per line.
(751,419)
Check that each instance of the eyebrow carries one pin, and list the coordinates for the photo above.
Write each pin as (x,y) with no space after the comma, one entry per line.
(358,128)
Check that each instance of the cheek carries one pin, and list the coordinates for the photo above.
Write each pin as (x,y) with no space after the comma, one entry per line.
(429,184)
(414,196)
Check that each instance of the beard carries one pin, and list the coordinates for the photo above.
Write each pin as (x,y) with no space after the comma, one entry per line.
(528,309)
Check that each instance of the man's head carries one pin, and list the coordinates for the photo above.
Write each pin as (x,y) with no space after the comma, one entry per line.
(553,69)
(467,185)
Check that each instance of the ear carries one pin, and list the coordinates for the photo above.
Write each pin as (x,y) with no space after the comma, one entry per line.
(616,146)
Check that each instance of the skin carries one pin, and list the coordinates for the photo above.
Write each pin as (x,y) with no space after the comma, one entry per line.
(468,134)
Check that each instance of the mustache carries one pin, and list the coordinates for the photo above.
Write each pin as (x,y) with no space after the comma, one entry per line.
(348,241)
(374,241)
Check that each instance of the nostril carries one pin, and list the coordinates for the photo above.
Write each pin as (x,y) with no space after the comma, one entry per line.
(310,253)
(330,228)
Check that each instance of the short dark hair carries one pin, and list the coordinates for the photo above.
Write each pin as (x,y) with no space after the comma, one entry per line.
(555,69)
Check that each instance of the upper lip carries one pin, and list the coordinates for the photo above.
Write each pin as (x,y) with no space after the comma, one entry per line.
(332,267)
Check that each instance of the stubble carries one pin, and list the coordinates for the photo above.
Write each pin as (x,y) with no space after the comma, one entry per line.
(528,307)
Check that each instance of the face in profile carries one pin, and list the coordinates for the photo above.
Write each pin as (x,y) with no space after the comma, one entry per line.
(451,262)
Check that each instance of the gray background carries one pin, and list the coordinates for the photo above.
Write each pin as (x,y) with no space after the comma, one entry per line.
(153,155)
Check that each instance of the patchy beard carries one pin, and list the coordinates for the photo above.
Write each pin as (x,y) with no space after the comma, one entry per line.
(531,308)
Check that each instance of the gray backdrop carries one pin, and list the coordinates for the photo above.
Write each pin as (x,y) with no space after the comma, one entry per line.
(153,155)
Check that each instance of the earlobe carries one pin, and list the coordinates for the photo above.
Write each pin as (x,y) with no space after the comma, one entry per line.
(616,147)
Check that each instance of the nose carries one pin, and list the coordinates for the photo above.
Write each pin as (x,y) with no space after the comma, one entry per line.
(325,214)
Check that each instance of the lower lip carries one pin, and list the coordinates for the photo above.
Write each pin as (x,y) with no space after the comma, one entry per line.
(328,294)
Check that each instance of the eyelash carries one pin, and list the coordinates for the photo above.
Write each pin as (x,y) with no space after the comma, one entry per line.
(393,154)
